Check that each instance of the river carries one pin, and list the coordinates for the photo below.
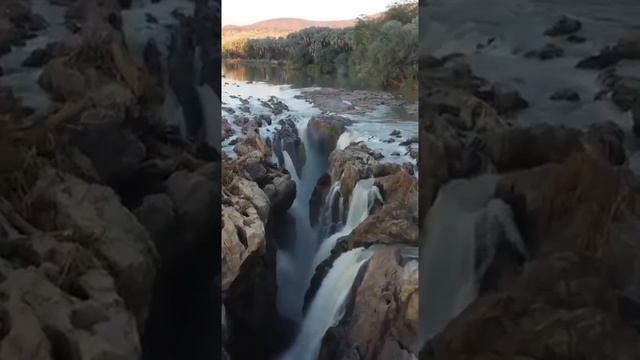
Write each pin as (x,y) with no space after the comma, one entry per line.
(245,89)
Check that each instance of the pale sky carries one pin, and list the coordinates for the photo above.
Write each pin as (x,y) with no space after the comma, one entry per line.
(245,12)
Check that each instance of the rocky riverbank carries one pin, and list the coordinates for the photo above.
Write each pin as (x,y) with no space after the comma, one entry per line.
(107,213)
(572,195)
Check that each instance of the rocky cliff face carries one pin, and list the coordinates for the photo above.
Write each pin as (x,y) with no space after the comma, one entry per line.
(109,222)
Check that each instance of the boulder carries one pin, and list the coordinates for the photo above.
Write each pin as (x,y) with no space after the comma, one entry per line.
(94,213)
(547,52)
(517,148)
(505,98)
(325,130)
(281,194)
(565,95)
(564,26)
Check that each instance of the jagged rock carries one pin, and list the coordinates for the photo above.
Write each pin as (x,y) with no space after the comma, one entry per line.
(287,139)
(354,163)
(281,194)
(94,212)
(325,130)
(251,191)
(547,52)
(565,95)
(277,106)
(63,82)
(564,26)
(319,194)
(610,55)
(242,237)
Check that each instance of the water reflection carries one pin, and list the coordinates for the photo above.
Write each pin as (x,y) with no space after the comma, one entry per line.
(282,75)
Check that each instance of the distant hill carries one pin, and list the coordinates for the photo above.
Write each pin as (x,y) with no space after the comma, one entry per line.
(279,27)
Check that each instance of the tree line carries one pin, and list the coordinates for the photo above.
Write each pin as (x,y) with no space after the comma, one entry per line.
(381,49)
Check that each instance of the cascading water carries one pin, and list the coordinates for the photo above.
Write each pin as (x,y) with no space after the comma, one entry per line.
(363,196)
(328,306)
(463,223)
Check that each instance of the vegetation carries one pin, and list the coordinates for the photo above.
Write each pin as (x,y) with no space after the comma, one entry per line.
(381,50)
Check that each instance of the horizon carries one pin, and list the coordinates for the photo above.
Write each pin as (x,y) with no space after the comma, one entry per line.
(247,12)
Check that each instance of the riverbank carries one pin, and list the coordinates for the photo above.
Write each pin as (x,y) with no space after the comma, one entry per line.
(346,170)
(107,235)
(533,152)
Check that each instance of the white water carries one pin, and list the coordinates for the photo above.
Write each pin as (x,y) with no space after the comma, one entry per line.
(328,305)
(358,212)
(462,220)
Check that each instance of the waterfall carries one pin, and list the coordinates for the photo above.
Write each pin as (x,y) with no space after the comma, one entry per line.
(328,306)
(359,207)
(463,228)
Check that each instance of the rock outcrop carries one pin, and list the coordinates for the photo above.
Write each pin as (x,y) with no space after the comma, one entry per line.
(325,130)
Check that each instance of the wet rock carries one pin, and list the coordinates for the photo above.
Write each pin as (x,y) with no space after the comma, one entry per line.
(565,95)
(412,140)
(241,120)
(549,51)
(600,61)
(564,26)
(610,55)
(504,98)
(228,110)
(227,130)
(287,139)
(625,92)
(576,39)
(325,130)
(277,106)
(395,133)
(318,196)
